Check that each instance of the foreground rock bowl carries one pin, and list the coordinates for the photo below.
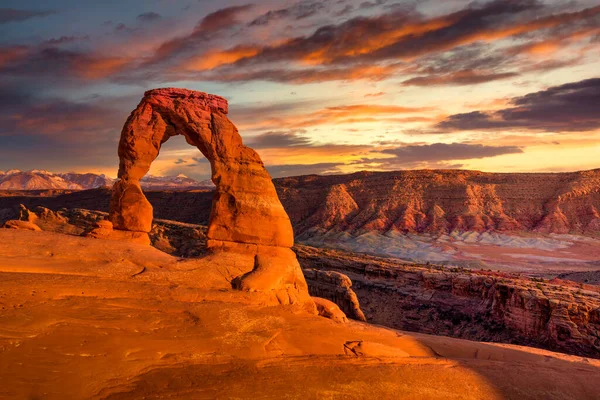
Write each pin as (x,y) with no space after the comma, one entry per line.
(91,318)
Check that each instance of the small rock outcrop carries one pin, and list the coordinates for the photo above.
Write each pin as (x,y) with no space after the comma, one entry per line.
(246,216)
(336,287)
(23,225)
(328,309)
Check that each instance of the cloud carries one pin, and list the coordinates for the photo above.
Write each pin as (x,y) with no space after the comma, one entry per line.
(13,15)
(297,11)
(448,152)
(459,78)
(65,40)
(436,155)
(148,17)
(208,28)
(345,114)
(276,139)
(53,61)
(221,19)
(278,171)
(569,107)
(374,94)
(379,47)
(11,54)
(372,4)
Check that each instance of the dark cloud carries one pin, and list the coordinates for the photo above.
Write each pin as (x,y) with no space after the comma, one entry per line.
(46,62)
(280,140)
(405,35)
(297,11)
(437,155)
(65,40)
(221,19)
(568,107)
(346,10)
(149,17)
(208,28)
(12,15)
(120,28)
(446,152)
(180,161)
(459,78)
(279,171)
(372,4)
(300,76)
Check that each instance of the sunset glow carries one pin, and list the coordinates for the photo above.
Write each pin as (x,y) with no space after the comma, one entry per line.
(314,86)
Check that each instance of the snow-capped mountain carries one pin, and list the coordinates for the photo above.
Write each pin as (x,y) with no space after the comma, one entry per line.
(44,180)
(179,182)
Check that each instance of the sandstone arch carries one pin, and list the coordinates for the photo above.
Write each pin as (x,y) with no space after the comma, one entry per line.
(246,215)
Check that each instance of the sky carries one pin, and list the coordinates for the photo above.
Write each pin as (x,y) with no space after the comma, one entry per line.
(315,86)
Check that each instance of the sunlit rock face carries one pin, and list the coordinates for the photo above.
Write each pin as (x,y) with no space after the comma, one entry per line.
(246,216)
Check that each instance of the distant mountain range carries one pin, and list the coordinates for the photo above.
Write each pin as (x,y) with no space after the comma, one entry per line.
(45,180)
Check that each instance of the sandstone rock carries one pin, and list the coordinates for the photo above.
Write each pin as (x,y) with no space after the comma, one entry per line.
(246,217)
(26,215)
(110,234)
(245,205)
(134,210)
(361,348)
(329,309)
(104,223)
(276,271)
(442,201)
(336,287)
(474,305)
(24,225)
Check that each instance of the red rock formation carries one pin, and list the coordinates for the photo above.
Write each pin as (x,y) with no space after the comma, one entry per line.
(336,287)
(246,215)
(475,305)
(440,201)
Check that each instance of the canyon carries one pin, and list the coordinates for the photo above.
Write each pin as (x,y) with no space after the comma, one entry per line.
(558,314)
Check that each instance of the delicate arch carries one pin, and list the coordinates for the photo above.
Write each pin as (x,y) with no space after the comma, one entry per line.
(245,206)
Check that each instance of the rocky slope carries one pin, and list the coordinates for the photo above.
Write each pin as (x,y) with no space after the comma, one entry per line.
(442,201)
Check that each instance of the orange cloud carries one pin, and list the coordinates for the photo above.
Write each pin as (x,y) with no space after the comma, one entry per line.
(554,44)
(348,114)
(217,58)
(12,53)
(98,67)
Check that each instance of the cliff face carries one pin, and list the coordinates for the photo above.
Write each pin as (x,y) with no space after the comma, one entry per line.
(440,201)
(467,304)
(435,201)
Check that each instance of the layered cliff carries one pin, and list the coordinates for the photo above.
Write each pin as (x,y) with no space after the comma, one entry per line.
(475,305)
(441,201)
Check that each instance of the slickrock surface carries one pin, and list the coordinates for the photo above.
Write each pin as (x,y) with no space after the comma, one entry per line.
(85,318)
(442,201)
(246,215)
(477,305)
